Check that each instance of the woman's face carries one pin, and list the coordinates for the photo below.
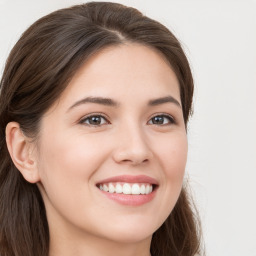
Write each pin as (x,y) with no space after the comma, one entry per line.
(116,133)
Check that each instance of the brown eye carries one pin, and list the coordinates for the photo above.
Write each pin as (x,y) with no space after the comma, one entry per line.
(161,120)
(95,120)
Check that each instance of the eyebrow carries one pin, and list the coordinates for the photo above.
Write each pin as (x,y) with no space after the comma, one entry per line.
(113,103)
(96,100)
(163,100)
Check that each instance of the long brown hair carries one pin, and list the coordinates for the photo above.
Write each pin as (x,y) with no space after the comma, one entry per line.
(37,71)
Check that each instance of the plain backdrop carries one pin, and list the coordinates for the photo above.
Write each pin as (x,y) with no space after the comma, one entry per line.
(219,38)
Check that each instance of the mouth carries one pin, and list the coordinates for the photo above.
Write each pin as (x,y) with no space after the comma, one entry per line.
(129,190)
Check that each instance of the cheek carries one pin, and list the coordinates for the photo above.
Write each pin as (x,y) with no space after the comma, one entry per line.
(66,167)
(172,155)
(176,163)
(68,163)
(71,156)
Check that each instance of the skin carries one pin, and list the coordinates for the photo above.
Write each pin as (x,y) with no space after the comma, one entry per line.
(71,156)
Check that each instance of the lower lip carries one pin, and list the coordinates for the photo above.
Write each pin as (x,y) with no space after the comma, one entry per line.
(132,200)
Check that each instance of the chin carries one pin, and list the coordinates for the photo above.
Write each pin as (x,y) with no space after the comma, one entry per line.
(131,236)
(132,232)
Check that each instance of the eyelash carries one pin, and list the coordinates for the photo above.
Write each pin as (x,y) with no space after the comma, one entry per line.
(83,120)
(171,120)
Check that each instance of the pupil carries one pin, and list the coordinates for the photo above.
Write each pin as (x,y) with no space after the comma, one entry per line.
(158,120)
(95,120)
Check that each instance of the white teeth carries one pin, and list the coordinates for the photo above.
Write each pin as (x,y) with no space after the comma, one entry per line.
(111,188)
(147,189)
(105,187)
(119,189)
(135,189)
(142,189)
(127,188)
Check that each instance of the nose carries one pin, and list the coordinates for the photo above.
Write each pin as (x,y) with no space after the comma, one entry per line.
(132,147)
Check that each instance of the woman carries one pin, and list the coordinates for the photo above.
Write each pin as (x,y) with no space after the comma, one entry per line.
(95,100)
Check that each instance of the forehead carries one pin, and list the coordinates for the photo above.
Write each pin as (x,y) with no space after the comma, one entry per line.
(133,70)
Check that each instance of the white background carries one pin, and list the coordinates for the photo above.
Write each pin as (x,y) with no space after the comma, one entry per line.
(219,38)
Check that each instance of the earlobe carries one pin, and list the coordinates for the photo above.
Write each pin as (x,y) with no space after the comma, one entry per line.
(21,152)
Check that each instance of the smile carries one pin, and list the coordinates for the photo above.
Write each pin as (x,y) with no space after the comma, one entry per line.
(127,188)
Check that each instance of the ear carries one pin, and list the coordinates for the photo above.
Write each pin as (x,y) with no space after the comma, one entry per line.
(21,152)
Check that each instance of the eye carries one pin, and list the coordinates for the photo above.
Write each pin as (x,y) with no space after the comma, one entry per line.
(94,120)
(162,120)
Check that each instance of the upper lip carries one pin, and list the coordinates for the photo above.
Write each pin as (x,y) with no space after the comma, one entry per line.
(130,179)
